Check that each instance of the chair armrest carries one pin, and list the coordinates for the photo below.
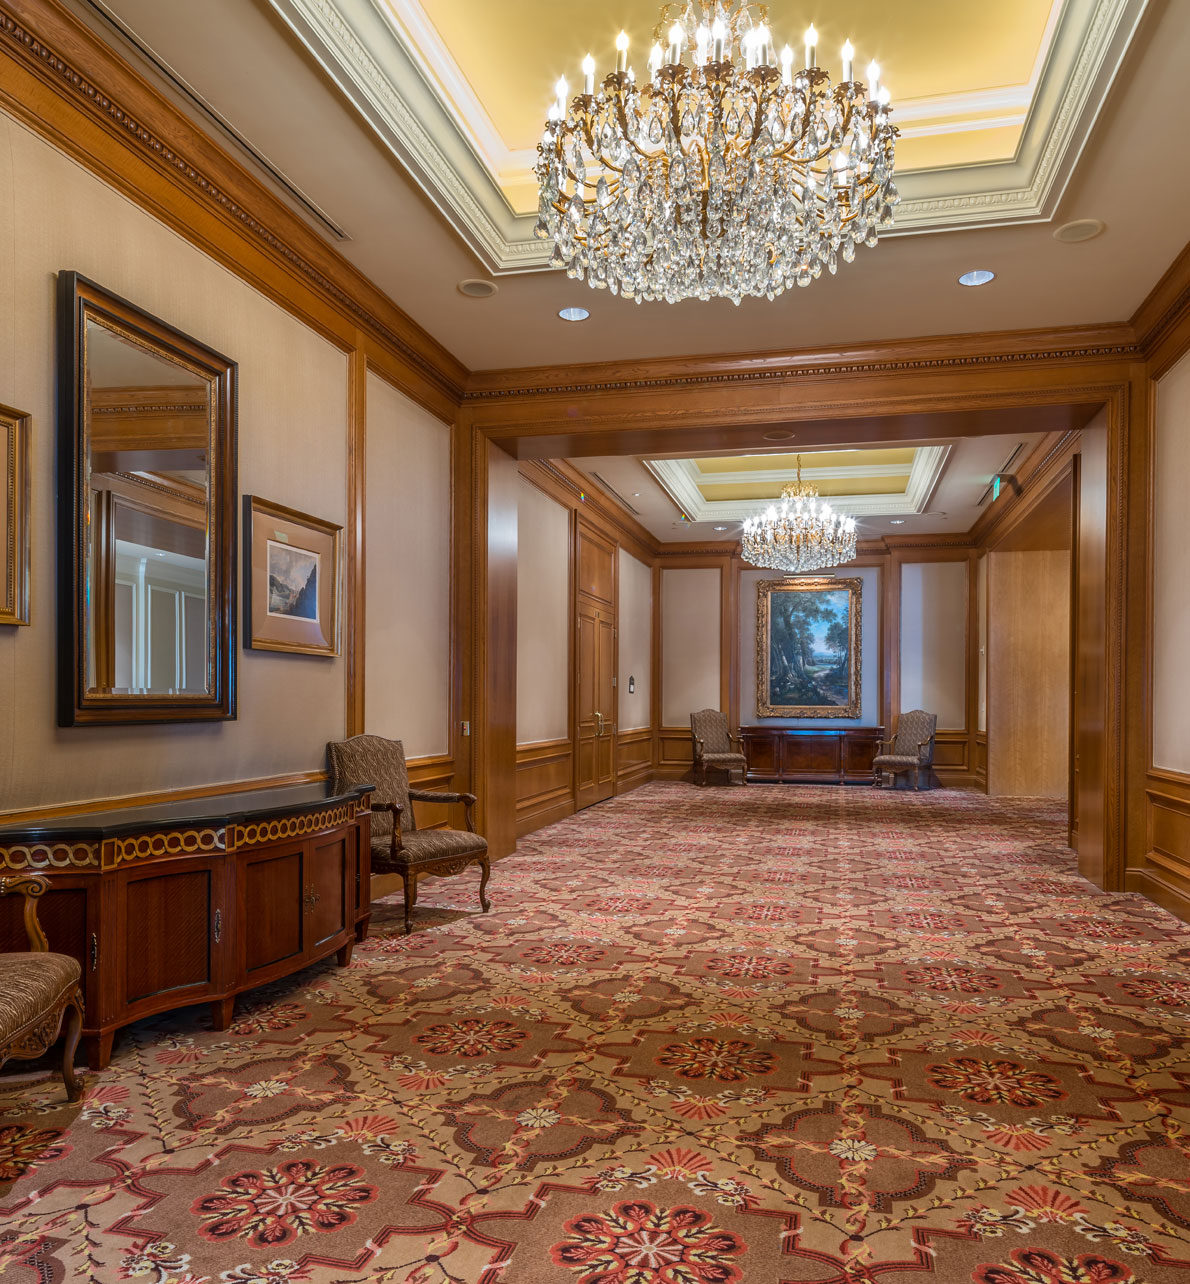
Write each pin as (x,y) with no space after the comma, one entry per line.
(444,796)
(738,740)
(397,811)
(29,886)
(697,746)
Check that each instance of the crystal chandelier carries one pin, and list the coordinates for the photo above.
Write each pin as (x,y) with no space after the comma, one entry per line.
(723,174)
(804,534)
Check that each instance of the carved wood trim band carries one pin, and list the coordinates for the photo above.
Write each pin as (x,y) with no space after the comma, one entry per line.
(168,842)
(50,856)
(51,65)
(271,831)
(873,365)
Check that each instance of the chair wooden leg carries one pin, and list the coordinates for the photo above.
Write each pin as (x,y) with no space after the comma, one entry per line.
(485,865)
(408,886)
(74,1028)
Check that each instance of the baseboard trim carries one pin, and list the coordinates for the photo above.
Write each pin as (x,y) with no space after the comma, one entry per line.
(185,794)
(1159,891)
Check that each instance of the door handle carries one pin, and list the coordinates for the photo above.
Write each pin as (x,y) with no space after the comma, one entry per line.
(599,731)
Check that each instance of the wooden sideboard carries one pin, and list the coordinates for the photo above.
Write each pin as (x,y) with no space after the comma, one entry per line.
(838,755)
(195,902)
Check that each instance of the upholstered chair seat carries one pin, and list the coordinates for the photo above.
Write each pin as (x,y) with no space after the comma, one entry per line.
(911,749)
(398,846)
(713,746)
(40,991)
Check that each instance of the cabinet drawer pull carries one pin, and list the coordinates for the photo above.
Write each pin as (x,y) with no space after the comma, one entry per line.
(94,952)
(218,926)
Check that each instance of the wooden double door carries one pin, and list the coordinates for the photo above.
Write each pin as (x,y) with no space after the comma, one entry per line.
(595,670)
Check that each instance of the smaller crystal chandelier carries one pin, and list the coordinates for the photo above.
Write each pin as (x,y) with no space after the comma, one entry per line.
(804,534)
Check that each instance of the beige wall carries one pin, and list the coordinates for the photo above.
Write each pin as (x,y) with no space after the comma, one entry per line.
(1171,581)
(635,624)
(292,449)
(407,540)
(934,640)
(543,617)
(690,644)
(1029,674)
(869,652)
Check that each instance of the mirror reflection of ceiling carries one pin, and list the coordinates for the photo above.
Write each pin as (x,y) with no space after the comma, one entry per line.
(963,76)
(114,362)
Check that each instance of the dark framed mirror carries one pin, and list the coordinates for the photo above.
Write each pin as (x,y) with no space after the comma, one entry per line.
(147,516)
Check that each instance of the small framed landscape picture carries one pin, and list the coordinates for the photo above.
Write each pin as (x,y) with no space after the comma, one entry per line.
(14,516)
(291,580)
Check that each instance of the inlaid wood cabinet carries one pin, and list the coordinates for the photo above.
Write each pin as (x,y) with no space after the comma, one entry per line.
(195,902)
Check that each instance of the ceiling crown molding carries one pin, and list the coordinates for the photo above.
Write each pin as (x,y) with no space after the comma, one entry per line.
(397,88)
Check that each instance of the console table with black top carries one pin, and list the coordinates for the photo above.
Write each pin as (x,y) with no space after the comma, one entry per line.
(192,902)
(828,755)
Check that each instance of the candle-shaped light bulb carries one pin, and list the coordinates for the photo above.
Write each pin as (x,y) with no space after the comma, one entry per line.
(655,57)
(811,45)
(762,43)
(884,97)
(675,43)
(562,89)
(588,75)
(702,40)
(848,61)
(719,36)
(622,51)
(873,80)
(787,66)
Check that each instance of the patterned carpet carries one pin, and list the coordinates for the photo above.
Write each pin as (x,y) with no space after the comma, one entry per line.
(705,1036)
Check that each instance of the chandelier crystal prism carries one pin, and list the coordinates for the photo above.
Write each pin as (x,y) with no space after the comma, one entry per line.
(725,173)
(804,534)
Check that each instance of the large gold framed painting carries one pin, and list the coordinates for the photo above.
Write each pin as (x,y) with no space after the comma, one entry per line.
(808,648)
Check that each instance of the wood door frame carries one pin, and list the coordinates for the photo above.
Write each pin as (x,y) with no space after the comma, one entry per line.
(965,393)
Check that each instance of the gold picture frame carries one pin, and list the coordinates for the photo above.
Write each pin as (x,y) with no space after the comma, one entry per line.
(809,647)
(292,580)
(14,516)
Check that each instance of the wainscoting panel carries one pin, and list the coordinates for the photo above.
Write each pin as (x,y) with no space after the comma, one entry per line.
(675,754)
(1164,871)
(544,784)
(634,759)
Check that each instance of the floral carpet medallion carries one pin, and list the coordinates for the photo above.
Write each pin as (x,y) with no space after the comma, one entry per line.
(771,1035)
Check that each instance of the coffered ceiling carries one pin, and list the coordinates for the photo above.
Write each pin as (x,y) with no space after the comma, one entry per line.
(403,172)
(935,486)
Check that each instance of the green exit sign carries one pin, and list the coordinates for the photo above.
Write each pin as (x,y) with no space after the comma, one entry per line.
(995,488)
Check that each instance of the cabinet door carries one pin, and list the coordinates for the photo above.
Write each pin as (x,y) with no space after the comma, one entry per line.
(69,916)
(329,895)
(165,933)
(272,913)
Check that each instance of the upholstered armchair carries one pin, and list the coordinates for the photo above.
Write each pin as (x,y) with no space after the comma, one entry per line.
(713,746)
(398,846)
(911,749)
(39,991)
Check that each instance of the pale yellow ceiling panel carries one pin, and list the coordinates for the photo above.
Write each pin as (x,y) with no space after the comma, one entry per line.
(716,491)
(511,52)
(820,459)
(968,147)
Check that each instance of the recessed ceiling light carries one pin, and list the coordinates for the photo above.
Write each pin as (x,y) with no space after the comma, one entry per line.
(720,528)
(980,276)
(574,314)
(477,288)
(636,494)
(1082,229)
(896,521)
(778,435)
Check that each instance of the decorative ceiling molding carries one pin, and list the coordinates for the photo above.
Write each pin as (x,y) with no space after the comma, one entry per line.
(680,479)
(396,73)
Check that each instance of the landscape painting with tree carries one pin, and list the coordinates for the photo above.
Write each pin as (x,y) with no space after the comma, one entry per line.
(808,648)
